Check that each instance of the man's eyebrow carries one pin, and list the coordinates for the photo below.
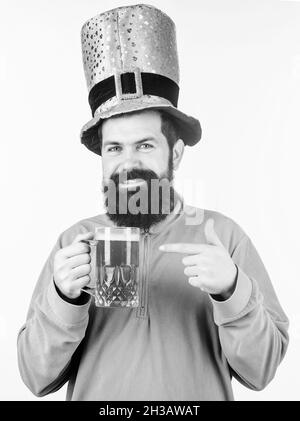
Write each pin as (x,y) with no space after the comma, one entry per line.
(112,142)
(146,139)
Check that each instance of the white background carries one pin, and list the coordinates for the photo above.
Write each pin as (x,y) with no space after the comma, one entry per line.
(240,75)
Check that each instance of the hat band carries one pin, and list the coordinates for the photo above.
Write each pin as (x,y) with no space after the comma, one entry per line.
(127,87)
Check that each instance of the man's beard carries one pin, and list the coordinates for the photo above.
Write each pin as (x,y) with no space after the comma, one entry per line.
(141,206)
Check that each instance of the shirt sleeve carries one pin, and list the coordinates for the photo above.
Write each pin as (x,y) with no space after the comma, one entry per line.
(252,325)
(53,331)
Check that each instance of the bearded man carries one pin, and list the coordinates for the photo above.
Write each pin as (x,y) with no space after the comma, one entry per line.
(208,308)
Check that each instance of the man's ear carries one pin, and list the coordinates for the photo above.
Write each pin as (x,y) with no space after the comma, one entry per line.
(178,150)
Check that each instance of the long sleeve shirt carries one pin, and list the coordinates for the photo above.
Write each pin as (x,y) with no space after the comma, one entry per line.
(179,344)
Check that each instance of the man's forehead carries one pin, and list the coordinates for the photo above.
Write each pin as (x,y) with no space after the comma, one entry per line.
(132,127)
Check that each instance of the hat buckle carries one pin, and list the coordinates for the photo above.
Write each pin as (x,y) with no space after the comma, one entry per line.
(137,82)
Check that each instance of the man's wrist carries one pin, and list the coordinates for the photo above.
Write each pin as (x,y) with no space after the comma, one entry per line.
(79,301)
(227,294)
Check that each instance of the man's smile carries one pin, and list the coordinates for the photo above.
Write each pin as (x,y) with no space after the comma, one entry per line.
(131,183)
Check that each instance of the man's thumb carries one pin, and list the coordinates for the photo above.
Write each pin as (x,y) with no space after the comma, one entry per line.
(85,236)
(211,235)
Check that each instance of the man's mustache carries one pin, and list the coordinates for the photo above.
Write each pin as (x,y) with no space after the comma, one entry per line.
(133,174)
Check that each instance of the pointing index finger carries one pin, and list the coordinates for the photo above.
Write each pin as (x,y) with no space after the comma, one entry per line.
(183,248)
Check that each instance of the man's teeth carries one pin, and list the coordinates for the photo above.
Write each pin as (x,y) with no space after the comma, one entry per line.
(134,182)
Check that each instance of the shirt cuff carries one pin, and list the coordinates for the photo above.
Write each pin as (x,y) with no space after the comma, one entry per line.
(229,309)
(68,313)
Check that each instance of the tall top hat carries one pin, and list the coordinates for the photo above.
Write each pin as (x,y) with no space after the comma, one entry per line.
(131,63)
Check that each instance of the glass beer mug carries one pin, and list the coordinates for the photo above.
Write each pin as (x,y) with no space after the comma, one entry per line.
(114,267)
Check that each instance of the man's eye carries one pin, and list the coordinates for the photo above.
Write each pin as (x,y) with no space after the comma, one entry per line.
(113,149)
(146,146)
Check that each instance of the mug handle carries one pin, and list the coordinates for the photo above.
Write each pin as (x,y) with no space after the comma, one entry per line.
(91,287)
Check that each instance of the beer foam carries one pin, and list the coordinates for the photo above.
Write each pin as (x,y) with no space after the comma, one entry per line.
(116,234)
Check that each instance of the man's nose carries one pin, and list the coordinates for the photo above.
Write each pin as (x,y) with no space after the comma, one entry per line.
(129,162)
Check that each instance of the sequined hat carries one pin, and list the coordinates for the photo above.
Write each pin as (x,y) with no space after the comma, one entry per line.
(131,63)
